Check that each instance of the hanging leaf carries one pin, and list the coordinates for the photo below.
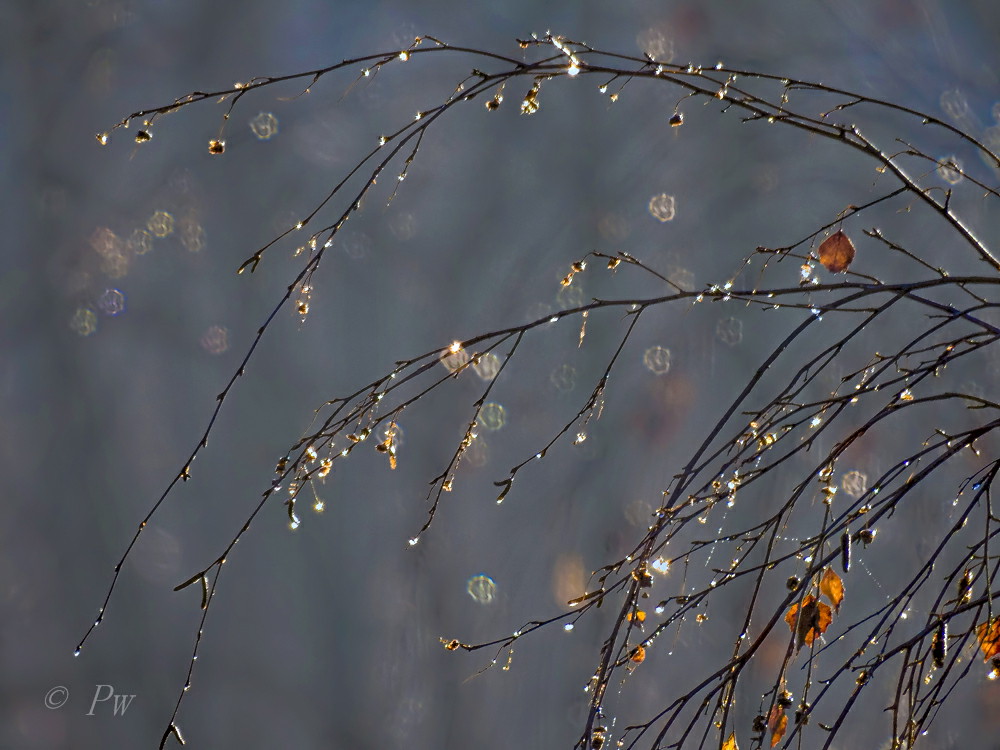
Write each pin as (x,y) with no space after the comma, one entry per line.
(939,644)
(845,551)
(832,587)
(777,723)
(836,252)
(730,743)
(989,638)
(815,619)
(638,655)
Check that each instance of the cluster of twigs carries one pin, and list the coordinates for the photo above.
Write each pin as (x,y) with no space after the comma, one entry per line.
(922,631)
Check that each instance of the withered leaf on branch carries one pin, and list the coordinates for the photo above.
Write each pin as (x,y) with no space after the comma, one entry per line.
(832,587)
(730,743)
(989,638)
(777,722)
(815,619)
(836,252)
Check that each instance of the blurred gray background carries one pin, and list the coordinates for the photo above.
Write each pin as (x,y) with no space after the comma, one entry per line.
(116,341)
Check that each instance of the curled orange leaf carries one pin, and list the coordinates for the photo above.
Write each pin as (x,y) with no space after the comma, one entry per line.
(832,587)
(813,621)
(777,723)
(836,252)
(989,638)
(730,743)
(639,655)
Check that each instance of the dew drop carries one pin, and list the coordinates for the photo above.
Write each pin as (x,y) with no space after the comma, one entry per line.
(83,322)
(192,236)
(481,588)
(729,331)
(854,483)
(487,366)
(954,104)
(950,169)
(454,357)
(656,44)
(111,302)
(657,360)
(563,378)
(264,126)
(140,242)
(215,340)
(662,207)
(570,296)
(492,416)
(161,224)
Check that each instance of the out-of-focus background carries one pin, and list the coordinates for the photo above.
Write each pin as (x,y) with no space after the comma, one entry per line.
(122,319)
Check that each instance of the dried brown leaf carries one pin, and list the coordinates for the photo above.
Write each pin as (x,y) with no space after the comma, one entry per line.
(989,638)
(815,619)
(836,252)
(832,587)
(777,723)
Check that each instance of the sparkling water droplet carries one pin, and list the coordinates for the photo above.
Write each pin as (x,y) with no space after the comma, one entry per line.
(954,104)
(192,236)
(729,331)
(854,483)
(657,360)
(454,357)
(662,207)
(492,416)
(215,340)
(264,125)
(481,588)
(950,170)
(570,296)
(656,44)
(140,242)
(487,366)
(161,224)
(111,302)
(83,322)
(563,377)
